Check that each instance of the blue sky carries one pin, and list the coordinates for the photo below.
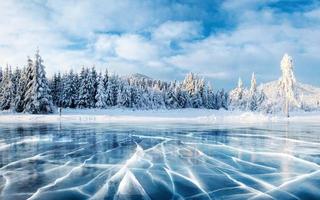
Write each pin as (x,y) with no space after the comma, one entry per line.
(220,40)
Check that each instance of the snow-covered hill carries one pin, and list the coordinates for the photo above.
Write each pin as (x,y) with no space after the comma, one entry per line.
(285,94)
(139,76)
(307,96)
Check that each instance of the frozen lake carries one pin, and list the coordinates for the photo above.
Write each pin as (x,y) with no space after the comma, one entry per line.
(114,161)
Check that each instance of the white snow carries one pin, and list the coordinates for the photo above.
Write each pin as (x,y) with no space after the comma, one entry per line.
(194,116)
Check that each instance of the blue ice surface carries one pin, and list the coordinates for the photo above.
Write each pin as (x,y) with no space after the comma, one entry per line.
(150,161)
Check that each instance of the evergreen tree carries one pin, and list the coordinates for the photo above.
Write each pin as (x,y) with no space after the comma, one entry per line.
(196,99)
(1,75)
(16,76)
(255,97)
(238,97)
(157,97)
(56,87)
(181,96)
(194,86)
(112,91)
(74,89)
(19,101)
(101,96)
(208,98)
(136,97)
(170,98)
(224,99)
(189,83)
(69,90)
(93,84)
(6,95)
(253,87)
(124,95)
(85,87)
(38,98)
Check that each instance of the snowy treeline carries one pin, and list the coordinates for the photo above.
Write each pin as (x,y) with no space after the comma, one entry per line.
(246,99)
(28,90)
(90,89)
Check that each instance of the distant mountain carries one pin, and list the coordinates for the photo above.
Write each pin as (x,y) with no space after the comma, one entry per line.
(140,76)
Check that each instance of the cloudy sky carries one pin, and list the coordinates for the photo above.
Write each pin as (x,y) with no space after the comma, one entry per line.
(219,39)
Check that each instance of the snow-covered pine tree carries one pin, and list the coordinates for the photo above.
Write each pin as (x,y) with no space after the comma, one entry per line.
(1,75)
(222,100)
(106,79)
(56,89)
(124,95)
(15,85)
(253,86)
(237,97)
(70,90)
(225,99)
(62,92)
(196,99)
(101,96)
(147,97)
(218,100)
(6,95)
(194,87)
(287,83)
(157,96)
(74,89)
(253,96)
(136,97)
(189,83)
(19,102)
(181,96)
(85,87)
(201,87)
(240,87)
(93,82)
(67,90)
(38,99)
(112,90)
(209,98)
(170,98)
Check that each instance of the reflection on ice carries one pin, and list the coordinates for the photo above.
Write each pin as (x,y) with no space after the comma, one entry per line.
(118,162)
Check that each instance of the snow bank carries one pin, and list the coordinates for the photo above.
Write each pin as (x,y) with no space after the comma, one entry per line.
(195,116)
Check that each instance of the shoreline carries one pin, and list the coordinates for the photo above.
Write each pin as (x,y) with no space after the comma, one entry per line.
(195,116)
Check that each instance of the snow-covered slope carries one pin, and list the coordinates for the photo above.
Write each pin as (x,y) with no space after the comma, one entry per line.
(308,96)
(139,76)
(283,95)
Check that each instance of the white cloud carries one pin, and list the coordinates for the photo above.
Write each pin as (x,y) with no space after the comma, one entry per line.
(135,47)
(250,48)
(105,45)
(130,37)
(177,30)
